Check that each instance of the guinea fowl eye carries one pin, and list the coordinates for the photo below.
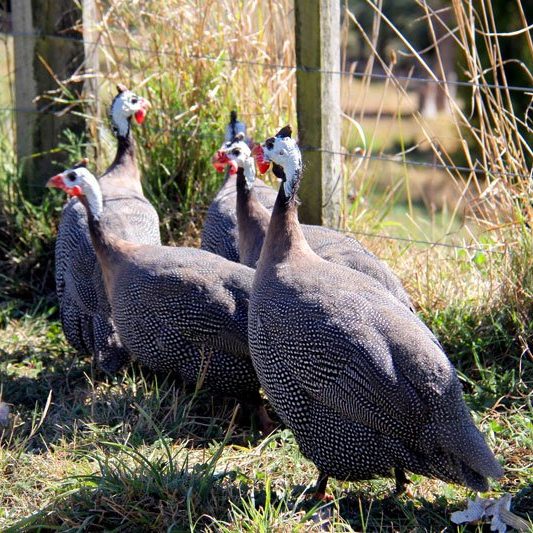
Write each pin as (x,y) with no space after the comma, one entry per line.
(71,176)
(236,152)
(134,100)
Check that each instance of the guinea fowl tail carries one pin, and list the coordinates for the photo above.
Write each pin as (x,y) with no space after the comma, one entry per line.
(465,457)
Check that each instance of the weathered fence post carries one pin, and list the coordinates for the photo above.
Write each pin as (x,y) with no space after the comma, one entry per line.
(318,108)
(91,36)
(25,89)
(48,54)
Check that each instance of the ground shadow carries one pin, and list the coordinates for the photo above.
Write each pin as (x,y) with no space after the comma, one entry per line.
(182,499)
(137,403)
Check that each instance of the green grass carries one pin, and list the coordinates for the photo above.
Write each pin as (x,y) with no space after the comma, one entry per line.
(85,452)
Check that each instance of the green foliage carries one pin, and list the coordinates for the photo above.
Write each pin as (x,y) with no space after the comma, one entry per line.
(175,160)
(140,451)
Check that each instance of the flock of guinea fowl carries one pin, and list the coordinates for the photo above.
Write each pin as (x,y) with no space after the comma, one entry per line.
(304,312)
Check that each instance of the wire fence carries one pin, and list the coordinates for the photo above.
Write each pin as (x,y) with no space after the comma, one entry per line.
(278,66)
(398,158)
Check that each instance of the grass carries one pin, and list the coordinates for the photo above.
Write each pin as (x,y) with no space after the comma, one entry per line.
(85,452)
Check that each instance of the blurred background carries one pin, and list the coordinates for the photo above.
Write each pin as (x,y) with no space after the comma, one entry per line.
(435,129)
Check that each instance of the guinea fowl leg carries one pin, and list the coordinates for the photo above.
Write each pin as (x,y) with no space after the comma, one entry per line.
(401,481)
(320,491)
(267,424)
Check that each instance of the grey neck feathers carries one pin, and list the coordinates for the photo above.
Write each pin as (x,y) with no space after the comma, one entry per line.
(284,232)
(125,149)
(252,222)
(102,242)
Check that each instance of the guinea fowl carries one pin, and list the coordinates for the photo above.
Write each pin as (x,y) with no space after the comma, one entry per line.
(84,309)
(253,219)
(175,309)
(358,378)
(219,234)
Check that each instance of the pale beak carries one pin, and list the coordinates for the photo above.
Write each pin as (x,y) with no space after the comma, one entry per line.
(56,182)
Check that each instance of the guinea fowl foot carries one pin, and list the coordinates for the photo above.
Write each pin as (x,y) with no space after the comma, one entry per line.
(320,491)
(401,483)
(265,422)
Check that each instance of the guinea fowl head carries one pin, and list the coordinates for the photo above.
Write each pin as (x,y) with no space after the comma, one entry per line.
(282,151)
(236,154)
(126,105)
(80,182)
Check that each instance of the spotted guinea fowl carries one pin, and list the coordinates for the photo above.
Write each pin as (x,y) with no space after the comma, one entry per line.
(333,245)
(219,234)
(253,219)
(85,312)
(358,378)
(175,309)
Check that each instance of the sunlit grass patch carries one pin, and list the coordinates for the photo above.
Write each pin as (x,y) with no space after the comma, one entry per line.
(137,451)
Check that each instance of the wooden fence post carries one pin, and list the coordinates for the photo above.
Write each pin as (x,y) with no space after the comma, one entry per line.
(91,36)
(25,88)
(318,108)
(48,55)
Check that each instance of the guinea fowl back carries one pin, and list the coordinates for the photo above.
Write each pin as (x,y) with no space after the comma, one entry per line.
(253,219)
(361,381)
(85,311)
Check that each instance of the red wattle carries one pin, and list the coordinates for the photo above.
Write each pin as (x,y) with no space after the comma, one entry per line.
(75,191)
(219,167)
(220,160)
(139,116)
(233,167)
(259,156)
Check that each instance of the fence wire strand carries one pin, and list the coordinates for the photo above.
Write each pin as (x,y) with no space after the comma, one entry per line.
(397,159)
(281,66)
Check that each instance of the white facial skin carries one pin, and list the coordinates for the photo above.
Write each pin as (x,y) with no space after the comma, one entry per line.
(285,153)
(124,106)
(240,152)
(80,181)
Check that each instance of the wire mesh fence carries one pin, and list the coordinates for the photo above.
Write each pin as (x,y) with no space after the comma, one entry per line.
(440,161)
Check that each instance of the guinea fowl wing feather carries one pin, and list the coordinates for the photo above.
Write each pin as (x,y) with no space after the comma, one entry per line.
(354,361)
(201,297)
(76,261)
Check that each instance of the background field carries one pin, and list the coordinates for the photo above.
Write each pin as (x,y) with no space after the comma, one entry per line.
(82,451)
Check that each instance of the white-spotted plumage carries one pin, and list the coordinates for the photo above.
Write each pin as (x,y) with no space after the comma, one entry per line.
(220,233)
(84,309)
(361,381)
(176,309)
(253,218)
